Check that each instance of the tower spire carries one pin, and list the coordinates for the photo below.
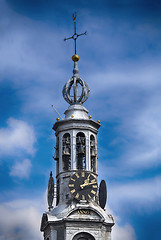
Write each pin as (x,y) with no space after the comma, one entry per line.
(78,214)
(76,90)
(75,57)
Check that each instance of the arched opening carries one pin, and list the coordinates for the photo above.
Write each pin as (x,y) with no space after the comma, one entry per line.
(66,152)
(93,153)
(81,151)
(83,236)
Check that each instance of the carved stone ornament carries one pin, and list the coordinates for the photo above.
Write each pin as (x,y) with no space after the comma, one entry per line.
(76,89)
(50,191)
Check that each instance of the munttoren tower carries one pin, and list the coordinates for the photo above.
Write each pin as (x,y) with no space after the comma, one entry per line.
(79,212)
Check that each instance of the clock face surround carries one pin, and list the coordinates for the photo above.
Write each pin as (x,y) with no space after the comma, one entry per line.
(83,185)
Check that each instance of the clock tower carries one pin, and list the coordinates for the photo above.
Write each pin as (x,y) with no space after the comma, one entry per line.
(79,212)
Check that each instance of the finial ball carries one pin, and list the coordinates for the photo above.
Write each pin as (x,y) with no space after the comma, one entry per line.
(75,58)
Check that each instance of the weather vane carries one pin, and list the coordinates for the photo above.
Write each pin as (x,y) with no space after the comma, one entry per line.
(75,57)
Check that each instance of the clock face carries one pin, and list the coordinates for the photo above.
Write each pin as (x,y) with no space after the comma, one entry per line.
(83,185)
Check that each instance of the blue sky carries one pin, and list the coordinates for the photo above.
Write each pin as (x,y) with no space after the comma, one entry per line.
(120,60)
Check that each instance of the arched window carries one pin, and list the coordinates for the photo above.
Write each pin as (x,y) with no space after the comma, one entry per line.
(93,153)
(83,236)
(81,151)
(66,152)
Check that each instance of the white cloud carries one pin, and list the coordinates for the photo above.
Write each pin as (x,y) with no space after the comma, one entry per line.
(143,194)
(21,220)
(145,134)
(129,74)
(22,40)
(125,232)
(21,169)
(16,137)
(130,98)
(120,232)
(32,56)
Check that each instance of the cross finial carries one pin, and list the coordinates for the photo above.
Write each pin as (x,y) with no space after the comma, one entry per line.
(75,57)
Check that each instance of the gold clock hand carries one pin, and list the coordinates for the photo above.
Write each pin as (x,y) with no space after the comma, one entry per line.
(92,183)
(86,184)
(83,185)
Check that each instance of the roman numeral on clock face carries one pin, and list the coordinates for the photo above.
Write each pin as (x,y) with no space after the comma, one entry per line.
(73,179)
(77,175)
(83,197)
(77,195)
(92,191)
(83,174)
(73,191)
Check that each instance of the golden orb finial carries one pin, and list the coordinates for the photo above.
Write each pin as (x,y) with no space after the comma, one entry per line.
(98,121)
(75,58)
(57,119)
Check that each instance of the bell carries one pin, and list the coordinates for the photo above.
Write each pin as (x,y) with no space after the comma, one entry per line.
(66,151)
(93,154)
(92,143)
(81,150)
(67,142)
(79,139)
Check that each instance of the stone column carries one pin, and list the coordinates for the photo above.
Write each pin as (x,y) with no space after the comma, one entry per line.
(60,153)
(74,158)
(88,165)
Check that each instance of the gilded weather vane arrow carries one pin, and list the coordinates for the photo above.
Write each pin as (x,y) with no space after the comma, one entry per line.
(74,37)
